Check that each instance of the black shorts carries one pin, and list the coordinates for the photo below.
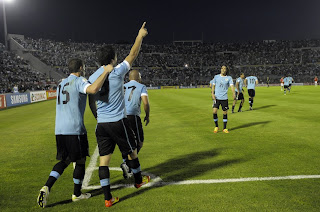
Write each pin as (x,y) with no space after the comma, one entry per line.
(290,85)
(111,133)
(251,92)
(136,126)
(286,86)
(223,103)
(240,96)
(72,147)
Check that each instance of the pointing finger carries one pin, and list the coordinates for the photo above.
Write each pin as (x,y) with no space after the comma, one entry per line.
(143,25)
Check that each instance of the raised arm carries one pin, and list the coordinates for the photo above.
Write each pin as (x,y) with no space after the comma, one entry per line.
(134,52)
(95,87)
(146,107)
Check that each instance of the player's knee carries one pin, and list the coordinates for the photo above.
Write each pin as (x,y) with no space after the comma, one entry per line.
(105,160)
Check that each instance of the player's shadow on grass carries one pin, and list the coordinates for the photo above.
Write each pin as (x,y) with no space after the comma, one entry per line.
(249,125)
(190,165)
(182,168)
(263,107)
(176,169)
(59,203)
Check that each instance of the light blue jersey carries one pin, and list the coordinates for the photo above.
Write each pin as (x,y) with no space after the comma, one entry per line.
(222,84)
(211,83)
(70,106)
(240,81)
(132,97)
(290,80)
(251,82)
(286,81)
(110,101)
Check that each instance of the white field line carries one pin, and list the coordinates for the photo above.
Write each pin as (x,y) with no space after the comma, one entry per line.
(91,168)
(157,181)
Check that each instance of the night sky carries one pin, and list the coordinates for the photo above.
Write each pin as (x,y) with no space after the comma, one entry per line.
(113,21)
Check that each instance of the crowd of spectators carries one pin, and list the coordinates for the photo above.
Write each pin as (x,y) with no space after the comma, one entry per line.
(15,71)
(185,64)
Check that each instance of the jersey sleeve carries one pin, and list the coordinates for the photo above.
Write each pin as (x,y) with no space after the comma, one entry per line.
(214,81)
(82,85)
(122,68)
(230,81)
(96,75)
(144,91)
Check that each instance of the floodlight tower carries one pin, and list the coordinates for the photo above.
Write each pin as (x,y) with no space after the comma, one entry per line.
(5,23)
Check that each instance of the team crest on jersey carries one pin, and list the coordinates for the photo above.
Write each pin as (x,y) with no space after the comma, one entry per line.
(84,80)
(226,79)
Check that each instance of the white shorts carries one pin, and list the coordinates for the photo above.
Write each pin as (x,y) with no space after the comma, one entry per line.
(282,84)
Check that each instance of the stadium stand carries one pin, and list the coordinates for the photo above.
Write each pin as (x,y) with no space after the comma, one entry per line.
(14,70)
(174,64)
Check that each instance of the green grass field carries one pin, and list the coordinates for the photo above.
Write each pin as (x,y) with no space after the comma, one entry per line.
(280,137)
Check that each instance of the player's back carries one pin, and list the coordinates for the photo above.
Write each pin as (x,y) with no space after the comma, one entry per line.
(251,82)
(286,81)
(110,99)
(133,92)
(70,106)
(290,80)
(240,81)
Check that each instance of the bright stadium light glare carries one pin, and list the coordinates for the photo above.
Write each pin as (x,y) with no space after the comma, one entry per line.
(4,2)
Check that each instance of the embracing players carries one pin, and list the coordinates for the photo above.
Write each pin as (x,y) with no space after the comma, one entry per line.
(71,135)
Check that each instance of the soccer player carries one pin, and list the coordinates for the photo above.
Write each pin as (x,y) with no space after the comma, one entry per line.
(290,83)
(286,82)
(281,83)
(251,82)
(71,134)
(316,81)
(113,126)
(239,92)
(268,81)
(134,93)
(219,93)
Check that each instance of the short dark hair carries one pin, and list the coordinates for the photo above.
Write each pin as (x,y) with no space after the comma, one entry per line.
(74,65)
(105,54)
